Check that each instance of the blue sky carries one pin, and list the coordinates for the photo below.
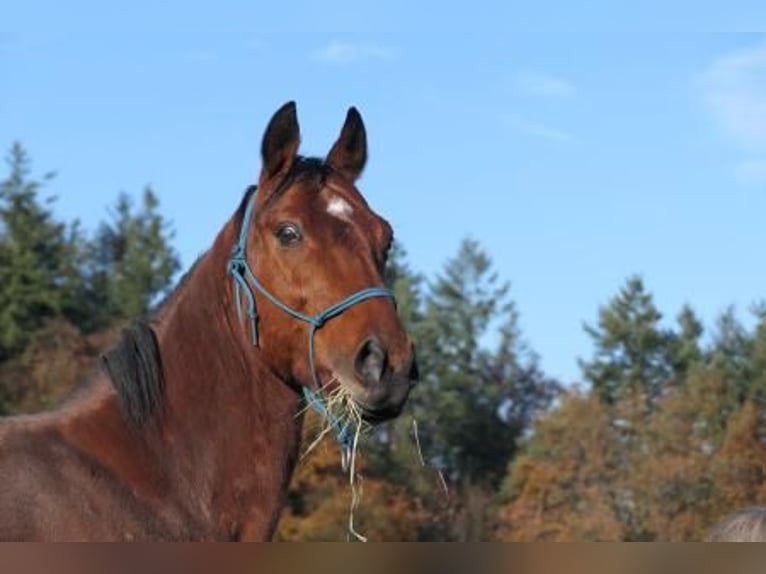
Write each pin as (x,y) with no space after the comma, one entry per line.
(579,143)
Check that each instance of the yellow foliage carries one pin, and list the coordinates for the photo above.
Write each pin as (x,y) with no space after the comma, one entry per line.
(320,497)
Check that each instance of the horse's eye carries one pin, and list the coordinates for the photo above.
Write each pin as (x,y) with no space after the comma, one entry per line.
(288,234)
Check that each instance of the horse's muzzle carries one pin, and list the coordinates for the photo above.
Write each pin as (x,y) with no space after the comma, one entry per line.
(386,387)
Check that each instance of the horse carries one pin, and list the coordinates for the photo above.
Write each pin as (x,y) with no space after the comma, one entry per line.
(191,429)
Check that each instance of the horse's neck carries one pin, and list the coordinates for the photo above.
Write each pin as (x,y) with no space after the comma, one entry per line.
(224,444)
(233,425)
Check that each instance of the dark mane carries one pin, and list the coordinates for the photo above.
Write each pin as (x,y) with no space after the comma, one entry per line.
(135,369)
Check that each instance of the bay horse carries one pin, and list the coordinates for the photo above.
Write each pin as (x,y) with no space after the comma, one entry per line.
(191,429)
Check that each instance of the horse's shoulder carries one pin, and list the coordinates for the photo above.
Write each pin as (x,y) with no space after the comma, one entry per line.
(30,437)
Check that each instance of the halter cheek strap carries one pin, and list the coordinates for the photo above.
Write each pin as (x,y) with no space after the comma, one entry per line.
(245,281)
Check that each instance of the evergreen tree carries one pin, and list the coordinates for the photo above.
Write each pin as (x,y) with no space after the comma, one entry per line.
(686,350)
(406,285)
(132,260)
(732,353)
(474,402)
(632,352)
(758,359)
(38,274)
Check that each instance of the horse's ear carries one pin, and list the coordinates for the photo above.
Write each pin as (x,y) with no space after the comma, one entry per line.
(280,141)
(349,154)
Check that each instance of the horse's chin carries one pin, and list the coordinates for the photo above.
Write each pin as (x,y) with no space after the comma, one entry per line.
(382,404)
(373,407)
(378,416)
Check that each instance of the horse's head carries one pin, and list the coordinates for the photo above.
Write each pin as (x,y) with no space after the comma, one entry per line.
(313,242)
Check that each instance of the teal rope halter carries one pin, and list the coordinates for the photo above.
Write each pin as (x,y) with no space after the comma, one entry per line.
(245,281)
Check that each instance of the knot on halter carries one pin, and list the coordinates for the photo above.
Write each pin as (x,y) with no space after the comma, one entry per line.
(237,269)
(318,321)
(245,281)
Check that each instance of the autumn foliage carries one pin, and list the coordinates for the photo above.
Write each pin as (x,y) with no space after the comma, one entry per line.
(320,499)
(670,451)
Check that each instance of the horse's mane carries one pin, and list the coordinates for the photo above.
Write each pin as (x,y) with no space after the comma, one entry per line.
(134,367)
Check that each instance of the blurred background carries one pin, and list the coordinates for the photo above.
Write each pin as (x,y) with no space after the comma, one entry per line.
(577,193)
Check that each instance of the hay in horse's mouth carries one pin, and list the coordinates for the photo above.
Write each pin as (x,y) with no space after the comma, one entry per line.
(343,391)
(340,404)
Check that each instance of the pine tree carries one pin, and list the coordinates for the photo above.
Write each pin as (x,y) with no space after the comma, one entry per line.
(635,366)
(686,350)
(38,272)
(731,353)
(758,359)
(132,260)
(406,285)
(632,351)
(474,402)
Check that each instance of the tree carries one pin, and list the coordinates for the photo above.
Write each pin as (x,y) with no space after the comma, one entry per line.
(474,402)
(56,359)
(635,367)
(673,480)
(731,354)
(611,468)
(38,276)
(562,487)
(392,451)
(389,451)
(758,358)
(632,351)
(132,262)
(686,350)
(406,285)
(319,501)
(740,465)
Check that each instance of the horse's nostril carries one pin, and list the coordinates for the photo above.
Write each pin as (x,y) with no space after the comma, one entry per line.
(370,362)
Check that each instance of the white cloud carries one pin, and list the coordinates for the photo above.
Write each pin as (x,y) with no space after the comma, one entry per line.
(337,52)
(539,130)
(539,84)
(735,90)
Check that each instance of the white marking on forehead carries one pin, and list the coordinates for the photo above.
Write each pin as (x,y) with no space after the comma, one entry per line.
(339,207)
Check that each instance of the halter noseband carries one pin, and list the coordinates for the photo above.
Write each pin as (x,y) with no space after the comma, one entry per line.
(245,281)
